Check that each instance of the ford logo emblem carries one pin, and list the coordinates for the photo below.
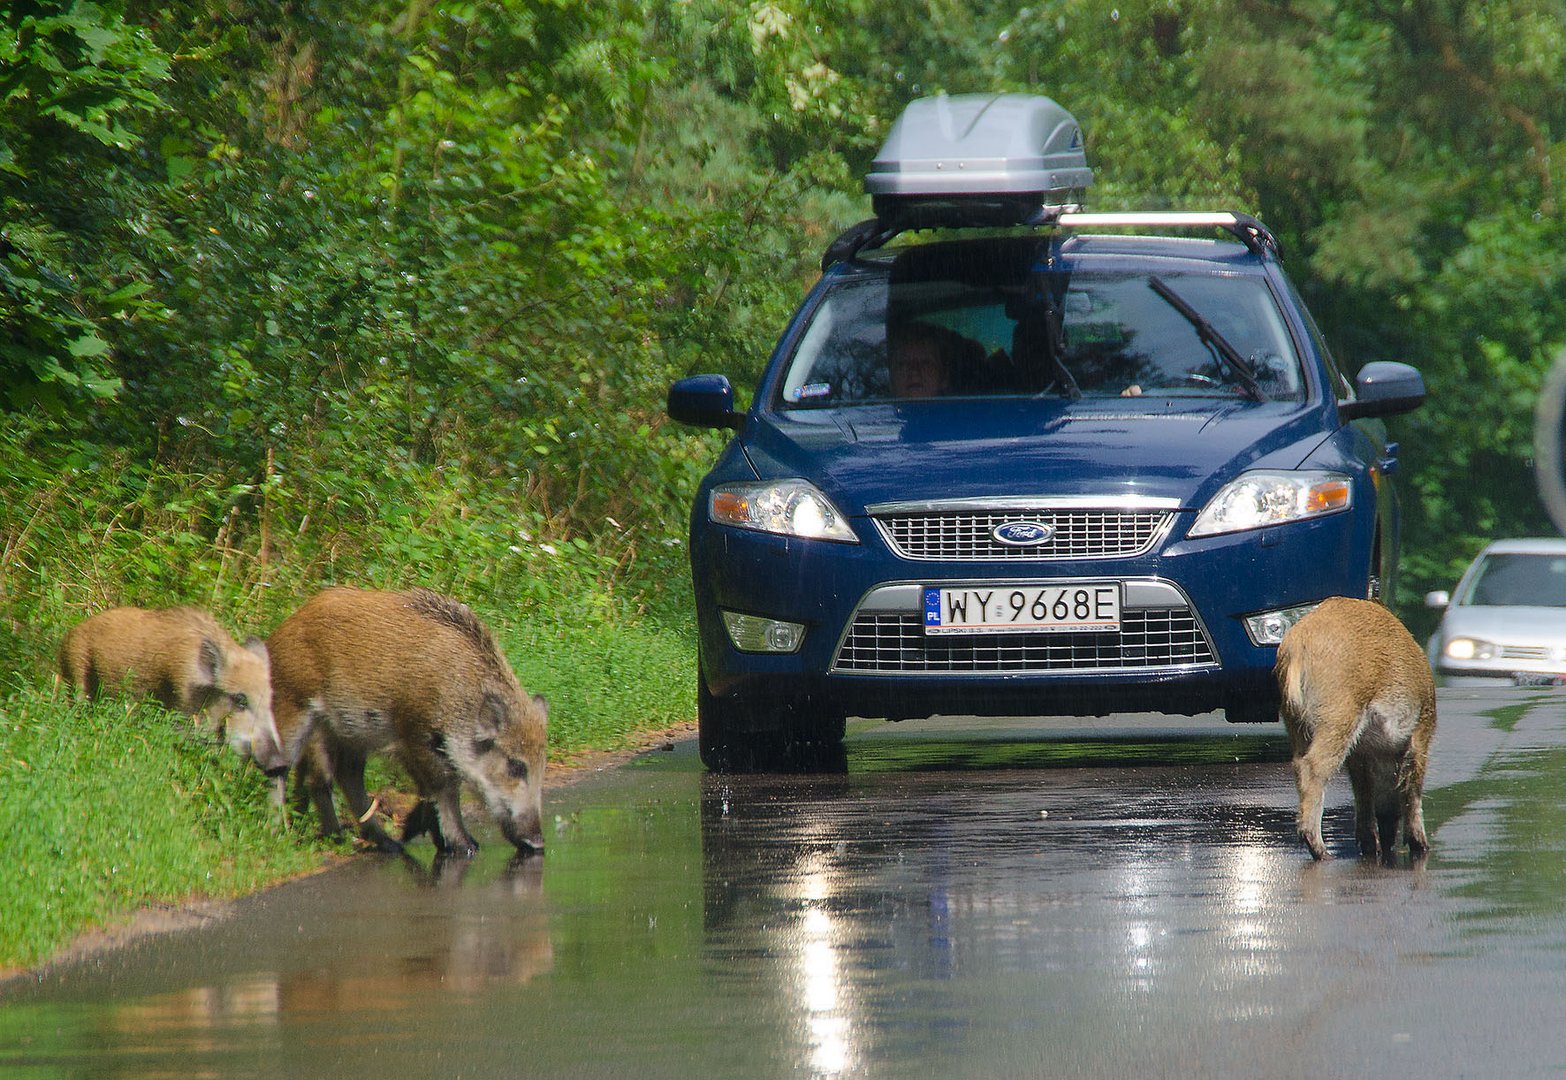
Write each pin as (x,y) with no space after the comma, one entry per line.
(1023,533)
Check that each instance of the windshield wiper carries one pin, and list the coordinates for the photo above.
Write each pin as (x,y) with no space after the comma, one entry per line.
(1210,337)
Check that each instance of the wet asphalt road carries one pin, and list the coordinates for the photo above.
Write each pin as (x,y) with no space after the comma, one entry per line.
(1115,898)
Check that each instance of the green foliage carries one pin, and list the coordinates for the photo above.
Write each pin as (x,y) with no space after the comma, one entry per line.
(75,80)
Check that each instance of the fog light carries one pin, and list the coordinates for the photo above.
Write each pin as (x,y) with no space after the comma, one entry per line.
(752,633)
(1269,627)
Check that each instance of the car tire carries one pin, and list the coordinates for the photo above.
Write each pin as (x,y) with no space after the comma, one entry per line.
(736,735)
(1251,711)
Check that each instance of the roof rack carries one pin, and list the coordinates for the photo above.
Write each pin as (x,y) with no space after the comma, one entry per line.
(876,232)
(1247,229)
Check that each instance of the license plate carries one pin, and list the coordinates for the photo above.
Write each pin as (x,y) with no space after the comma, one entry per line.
(1091,606)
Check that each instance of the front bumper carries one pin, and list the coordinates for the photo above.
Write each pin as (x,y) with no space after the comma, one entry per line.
(1183,647)
(1447,676)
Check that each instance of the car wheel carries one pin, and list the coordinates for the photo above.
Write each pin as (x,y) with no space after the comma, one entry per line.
(737,735)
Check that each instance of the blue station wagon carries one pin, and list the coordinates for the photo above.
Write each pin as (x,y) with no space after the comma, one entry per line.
(1011,459)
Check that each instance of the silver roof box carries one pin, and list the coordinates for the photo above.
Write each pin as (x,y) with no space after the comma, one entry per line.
(1015,146)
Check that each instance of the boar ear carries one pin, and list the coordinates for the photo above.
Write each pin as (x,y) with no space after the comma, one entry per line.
(256,645)
(209,661)
(492,715)
(543,706)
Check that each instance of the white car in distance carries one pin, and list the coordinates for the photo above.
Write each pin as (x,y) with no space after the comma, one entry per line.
(1505,623)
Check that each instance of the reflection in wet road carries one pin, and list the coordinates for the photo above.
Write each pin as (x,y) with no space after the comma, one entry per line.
(1115,898)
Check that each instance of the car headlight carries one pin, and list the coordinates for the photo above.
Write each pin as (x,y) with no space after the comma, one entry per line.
(786,507)
(1258,499)
(1467,648)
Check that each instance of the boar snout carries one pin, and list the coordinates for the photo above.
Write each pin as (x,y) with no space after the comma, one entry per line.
(525,832)
(258,742)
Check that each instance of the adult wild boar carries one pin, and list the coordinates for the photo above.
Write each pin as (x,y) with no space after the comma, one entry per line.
(1356,686)
(189,663)
(415,673)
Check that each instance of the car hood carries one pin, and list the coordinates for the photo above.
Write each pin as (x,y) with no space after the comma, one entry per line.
(1506,625)
(1180,449)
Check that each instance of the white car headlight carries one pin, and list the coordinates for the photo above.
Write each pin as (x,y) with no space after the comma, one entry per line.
(786,507)
(1467,648)
(1257,499)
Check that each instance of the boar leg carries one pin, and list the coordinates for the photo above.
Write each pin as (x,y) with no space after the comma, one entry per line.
(1414,824)
(350,777)
(313,779)
(438,783)
(450,834)
(1312,770)
(319,788)
(1309,820)
(1362,775)
(1411,788)
(426,818)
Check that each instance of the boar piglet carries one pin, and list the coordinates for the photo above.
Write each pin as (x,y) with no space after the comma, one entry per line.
(1356,686)
(415,674)
(189,663)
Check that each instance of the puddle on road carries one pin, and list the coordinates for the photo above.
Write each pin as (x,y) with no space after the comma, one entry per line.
(959,902)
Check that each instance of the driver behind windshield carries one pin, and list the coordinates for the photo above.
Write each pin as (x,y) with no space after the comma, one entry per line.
(920,359)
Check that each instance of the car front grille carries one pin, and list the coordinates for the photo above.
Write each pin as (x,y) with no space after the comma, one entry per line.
(1526,652)
(895,642)
(968,535)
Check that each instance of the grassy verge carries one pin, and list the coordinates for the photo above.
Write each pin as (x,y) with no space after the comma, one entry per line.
(605,681)
(105,808)
(112,806)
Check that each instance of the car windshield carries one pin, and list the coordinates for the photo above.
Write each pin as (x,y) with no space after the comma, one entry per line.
(936,325)
(1518,580)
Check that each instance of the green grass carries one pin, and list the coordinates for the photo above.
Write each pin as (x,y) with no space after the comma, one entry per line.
(604,682)
(106,807)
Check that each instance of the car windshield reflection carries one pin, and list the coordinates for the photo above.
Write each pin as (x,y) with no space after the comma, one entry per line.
(1519,580)
(1088,333)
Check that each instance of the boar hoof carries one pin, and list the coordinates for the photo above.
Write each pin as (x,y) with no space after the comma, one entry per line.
(460,850)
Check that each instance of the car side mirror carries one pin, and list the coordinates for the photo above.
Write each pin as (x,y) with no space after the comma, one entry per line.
(704,401)
(1439,600)
(1384,388)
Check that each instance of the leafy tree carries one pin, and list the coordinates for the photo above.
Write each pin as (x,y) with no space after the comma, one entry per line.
(75,81)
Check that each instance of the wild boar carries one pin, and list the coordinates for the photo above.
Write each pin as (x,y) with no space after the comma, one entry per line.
(189,663)
(415,673)
(1356,686)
